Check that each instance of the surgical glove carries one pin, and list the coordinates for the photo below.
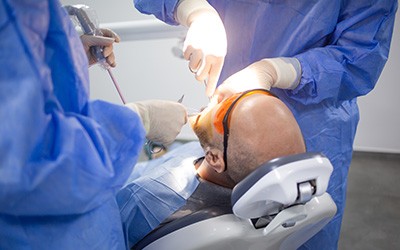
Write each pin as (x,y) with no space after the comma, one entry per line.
(205,44)
(162,120)
(280,72)
(106,42)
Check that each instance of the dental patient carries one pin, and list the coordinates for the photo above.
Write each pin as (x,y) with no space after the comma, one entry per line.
(235,137)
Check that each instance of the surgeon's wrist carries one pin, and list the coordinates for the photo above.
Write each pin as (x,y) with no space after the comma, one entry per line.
(188,10)
(288,72)
(141,111)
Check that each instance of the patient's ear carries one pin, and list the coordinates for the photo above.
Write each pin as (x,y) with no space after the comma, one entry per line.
(215,159)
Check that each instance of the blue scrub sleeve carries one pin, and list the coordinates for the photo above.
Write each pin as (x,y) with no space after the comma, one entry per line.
(352,62)
(162,9)
(59,153)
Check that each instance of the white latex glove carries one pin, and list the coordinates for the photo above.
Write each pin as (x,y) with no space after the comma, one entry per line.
(205,44)
(162,120)
(106,41)
(280,72)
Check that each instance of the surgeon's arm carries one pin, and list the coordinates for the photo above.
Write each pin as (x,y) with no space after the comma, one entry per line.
(162,9)
(346,68)
(351,65)
(280,72)
(58,163)
(59,153)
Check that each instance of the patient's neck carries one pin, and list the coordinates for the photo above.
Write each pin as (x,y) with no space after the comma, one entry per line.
(198,162)
(208,173)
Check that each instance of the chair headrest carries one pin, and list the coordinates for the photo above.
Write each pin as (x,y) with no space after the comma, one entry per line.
(275,184)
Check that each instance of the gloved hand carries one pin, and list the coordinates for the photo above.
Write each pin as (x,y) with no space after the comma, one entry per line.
(162,120)
(205,44)
(280,72)
(106,41)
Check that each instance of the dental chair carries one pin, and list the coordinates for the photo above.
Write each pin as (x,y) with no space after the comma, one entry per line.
(280,205)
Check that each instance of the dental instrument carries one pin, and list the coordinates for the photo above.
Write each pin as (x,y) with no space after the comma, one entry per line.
(181,99)
(194,111)
(89,28)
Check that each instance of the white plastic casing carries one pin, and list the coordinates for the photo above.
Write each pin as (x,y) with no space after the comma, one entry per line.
(280,186)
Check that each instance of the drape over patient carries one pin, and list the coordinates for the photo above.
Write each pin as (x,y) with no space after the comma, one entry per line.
(158,188)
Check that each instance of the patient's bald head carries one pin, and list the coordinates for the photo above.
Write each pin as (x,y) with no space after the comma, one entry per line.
(261,128)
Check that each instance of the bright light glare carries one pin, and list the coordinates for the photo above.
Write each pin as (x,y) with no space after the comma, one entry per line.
(183,175)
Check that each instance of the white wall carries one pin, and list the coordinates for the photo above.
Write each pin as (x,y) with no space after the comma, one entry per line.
(147,69)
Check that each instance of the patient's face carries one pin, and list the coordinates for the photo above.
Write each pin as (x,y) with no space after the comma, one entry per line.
(203,124)
(209,122)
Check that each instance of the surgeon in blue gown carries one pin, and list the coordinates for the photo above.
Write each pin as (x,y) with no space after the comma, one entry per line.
(62,156)
(317,56)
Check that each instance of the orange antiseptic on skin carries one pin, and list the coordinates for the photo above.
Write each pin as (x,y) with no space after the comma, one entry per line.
(219,115)
(202,125)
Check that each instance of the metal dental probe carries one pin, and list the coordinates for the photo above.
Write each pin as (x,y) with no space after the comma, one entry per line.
(181,99)
(194,112)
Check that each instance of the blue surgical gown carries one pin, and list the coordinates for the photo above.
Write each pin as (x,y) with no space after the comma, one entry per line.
(342,47)
(62,157)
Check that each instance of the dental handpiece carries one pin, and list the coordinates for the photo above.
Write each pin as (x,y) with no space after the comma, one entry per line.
(89,28)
